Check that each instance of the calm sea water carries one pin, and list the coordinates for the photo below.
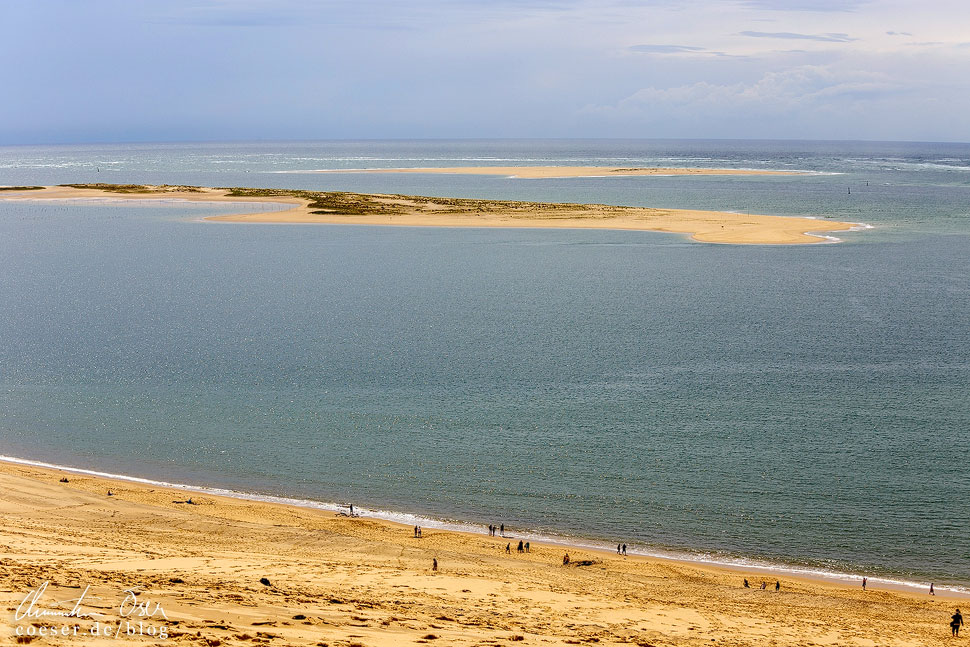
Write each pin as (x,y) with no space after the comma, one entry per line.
(805,406)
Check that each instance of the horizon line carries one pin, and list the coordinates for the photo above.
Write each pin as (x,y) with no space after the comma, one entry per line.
(137,142)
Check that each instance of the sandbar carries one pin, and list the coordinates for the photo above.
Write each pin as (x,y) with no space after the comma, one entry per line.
(548,172)
(336,580)
(312,207)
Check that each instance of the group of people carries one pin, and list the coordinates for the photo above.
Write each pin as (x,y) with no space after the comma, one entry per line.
(764,585)
(417,531)
(499,530)
(621,549)
(522,548)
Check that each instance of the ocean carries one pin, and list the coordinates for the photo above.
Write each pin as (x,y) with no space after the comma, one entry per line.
(804,408)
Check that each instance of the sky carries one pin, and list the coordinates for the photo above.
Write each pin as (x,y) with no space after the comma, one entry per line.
(204,70)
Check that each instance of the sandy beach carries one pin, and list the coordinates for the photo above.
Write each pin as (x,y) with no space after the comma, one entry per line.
(194,570)
(546,172)
(362,209)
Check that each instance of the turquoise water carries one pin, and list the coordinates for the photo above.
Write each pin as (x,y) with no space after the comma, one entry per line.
(805,406)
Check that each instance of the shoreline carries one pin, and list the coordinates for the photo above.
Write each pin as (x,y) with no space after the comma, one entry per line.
(738,566)
(237,572)
(314,207)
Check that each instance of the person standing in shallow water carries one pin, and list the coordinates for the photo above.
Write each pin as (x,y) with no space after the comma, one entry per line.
(956,621)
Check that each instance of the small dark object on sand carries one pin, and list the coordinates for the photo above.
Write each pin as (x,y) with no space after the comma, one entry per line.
(64,480)
(109,493)
(264,581)
(299,616)
(177,580)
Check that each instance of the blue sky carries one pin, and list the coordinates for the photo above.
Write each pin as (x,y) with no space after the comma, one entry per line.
(177,70)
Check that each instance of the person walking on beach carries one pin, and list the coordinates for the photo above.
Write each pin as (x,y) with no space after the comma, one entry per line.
(508,548)
(415,531)
(764,585)
(526,546)
(746,585)
(565,562)
(624,549)
(618,549)
(777,585)
(931,589)
(502,529)
(521,547)
(864,581)
(955,622)
(434,564)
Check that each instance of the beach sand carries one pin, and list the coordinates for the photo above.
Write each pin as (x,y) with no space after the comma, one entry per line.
(342,581)
(363,209)
(545,172)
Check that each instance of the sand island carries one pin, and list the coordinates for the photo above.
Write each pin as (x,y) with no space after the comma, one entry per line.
(550,172)
(331,207)
(235,572)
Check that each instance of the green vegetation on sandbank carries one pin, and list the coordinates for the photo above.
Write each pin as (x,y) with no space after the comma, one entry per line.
(136,188)
(355,204)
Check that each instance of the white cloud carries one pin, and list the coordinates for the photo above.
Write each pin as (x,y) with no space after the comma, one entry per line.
(807,87)
(808,101)
(807,5)
(825,38)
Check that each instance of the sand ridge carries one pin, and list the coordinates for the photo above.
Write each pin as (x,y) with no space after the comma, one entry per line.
(310,207)
(549,172)
(336,580)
